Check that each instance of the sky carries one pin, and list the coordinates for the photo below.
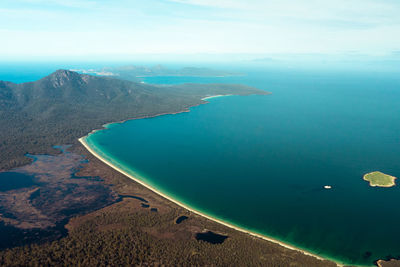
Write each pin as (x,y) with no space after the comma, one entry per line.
(125,28)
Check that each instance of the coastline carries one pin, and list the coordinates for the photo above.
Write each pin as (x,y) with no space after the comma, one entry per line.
(151,188)
(285,245)
(213,96)
(270,239)
(204,99)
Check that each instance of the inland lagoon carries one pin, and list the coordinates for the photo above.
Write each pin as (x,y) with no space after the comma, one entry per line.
(262,163)
(15,180)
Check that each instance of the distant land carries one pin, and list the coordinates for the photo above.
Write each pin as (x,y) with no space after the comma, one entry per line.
(133,72)
(62,206)
(66,105)
(380,179)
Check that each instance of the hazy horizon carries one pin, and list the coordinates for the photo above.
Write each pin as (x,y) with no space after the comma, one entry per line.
(197,30)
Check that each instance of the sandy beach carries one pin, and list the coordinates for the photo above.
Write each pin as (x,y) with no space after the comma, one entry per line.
(213,96)
(94,153)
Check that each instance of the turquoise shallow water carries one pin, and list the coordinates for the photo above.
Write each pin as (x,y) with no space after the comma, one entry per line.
(260,162)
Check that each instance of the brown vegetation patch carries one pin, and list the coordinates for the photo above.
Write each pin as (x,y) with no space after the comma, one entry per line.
(57,196)
(126,234)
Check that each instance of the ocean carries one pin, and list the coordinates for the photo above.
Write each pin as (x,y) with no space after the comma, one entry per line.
(261,162)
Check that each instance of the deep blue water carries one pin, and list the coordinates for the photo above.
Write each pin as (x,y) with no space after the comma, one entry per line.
(261,162)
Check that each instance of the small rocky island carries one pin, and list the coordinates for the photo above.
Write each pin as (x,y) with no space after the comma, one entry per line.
(380,179)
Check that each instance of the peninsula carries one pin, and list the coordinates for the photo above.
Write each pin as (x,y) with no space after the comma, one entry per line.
(379,179)
(60,108)
(135,73)
(65,105)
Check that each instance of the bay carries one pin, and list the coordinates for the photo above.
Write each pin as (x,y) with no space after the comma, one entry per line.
(261,162)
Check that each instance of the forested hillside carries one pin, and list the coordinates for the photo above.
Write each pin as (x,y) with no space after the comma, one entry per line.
(65,105)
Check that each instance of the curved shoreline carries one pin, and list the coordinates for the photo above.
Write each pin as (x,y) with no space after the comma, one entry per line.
(185,206)
(213,96)
(94,153)
(187,109)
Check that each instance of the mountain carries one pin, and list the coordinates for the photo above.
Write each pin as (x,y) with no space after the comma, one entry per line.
(66,105)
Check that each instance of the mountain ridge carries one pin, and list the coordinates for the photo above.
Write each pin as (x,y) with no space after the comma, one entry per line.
(65,105)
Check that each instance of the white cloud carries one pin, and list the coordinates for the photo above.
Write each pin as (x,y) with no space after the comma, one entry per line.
(56,27)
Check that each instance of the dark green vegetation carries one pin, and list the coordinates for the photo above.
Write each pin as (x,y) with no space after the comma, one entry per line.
(66,105)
